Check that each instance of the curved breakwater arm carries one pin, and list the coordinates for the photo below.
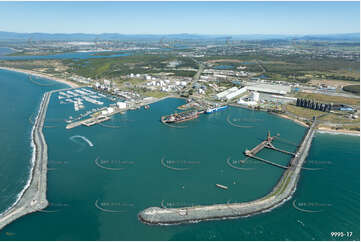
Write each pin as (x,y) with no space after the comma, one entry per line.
(280,193)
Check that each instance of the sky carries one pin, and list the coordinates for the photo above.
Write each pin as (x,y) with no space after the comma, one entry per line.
(181,17)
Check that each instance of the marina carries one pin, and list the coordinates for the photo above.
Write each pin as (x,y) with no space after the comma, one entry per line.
(327,148)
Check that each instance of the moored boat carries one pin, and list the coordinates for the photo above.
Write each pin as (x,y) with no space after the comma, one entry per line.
(215,109)
(180,117)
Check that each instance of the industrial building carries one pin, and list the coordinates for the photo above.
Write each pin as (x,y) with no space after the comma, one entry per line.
(223,94)
(271,89)
(235,93)
(250,101)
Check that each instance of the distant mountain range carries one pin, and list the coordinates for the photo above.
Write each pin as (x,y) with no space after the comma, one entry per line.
(114,36)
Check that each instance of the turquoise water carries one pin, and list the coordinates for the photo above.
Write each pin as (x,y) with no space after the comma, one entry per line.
(19,99)
(95,192)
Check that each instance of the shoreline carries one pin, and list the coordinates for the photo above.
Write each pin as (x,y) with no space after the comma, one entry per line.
(42,75)
(323,129)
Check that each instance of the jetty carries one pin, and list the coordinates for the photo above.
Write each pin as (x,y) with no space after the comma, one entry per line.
(33,197)
(93,120)
(267,144)
(279,194)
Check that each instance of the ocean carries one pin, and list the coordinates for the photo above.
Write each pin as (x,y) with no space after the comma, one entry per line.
(101,177)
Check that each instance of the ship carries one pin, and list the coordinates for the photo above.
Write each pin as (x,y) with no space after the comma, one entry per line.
(215,109)
(180,117)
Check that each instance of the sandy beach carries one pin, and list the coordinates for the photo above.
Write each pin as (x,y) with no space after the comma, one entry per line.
(339,131)
(57,79)
(294,120)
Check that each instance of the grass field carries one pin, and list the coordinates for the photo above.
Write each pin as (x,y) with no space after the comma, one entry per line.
(303,112)
(328,118)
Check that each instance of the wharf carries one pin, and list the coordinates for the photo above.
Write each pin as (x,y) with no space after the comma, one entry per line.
(267,144)
(93,120)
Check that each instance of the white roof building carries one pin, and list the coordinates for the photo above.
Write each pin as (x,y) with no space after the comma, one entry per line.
(121,105)
(235,93)
(268,88)
(110,110)
(226,92)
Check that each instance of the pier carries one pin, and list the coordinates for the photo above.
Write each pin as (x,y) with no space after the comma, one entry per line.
(93,120)
(267,144)
(101,118)
(282,192)
(34,196)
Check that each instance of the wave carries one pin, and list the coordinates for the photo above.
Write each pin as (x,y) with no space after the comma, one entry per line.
(83,138)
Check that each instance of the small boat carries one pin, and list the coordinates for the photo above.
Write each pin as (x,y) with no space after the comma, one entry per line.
(146,107)
(222,186)
(215,109)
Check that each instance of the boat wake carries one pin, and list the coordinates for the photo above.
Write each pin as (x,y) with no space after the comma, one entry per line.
(72,138)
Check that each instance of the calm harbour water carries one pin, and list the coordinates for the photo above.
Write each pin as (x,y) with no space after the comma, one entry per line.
(95,192)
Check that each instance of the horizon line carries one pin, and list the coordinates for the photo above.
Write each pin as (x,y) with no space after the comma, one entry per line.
(178,33)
